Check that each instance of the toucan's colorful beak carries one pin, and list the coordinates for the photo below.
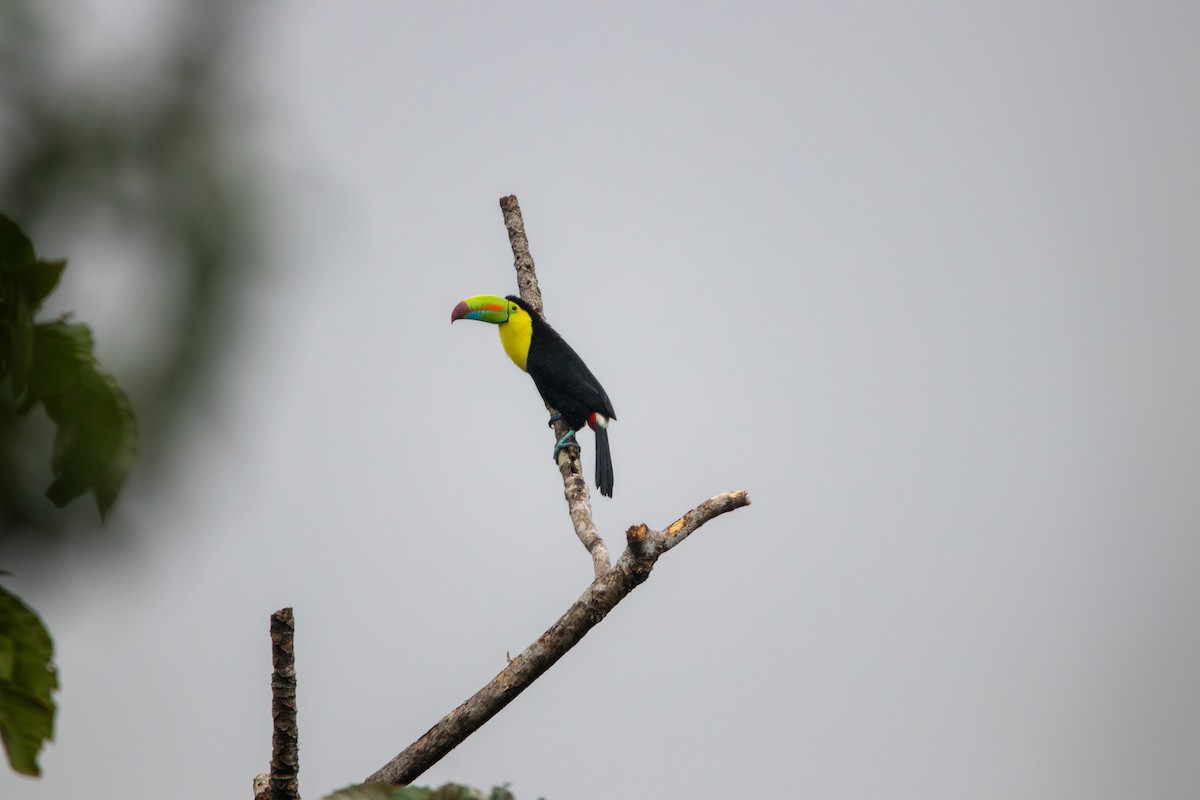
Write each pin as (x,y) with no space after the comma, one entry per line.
(483,307)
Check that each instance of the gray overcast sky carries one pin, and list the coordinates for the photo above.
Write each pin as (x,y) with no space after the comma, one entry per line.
(921,277)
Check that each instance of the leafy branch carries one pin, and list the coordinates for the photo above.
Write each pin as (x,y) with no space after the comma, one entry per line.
(27,678)
(51,364)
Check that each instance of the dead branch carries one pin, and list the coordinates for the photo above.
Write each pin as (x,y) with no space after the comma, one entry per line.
(643,549)
(611,585)
(575,488)
(285,756)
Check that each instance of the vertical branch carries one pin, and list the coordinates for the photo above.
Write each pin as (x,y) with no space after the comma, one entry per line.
(522,259)
(575,488)
(285,756)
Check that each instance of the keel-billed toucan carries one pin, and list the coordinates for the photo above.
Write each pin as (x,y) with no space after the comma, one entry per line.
(564,381)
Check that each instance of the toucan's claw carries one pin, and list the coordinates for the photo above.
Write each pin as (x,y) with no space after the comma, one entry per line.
(555,417)
(564,443)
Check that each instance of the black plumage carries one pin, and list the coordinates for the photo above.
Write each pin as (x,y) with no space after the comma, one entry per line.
(569,387)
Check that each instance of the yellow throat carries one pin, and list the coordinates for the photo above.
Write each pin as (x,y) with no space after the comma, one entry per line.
(515,335)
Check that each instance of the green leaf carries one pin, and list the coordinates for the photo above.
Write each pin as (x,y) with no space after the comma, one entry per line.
(25,281)
(58,348)
(16,251)
(16,343)
(27,679)
(97,433)
(52,364)
(40,278)
(376,791)
(450,791)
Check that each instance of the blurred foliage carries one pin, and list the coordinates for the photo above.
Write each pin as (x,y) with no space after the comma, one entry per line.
(147,146)
(27,678)
(51,364)
(450,791)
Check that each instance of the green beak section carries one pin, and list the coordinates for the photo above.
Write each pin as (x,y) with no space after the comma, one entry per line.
(483,307)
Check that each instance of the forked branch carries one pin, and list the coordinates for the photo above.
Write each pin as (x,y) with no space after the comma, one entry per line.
(643,549)
(612,584)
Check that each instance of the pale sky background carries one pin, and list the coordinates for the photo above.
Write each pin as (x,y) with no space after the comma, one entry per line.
(923,278)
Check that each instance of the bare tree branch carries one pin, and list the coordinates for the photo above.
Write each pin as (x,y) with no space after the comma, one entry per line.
(285,756)
(643,549)
(522,259)
(612,584)
(575,488)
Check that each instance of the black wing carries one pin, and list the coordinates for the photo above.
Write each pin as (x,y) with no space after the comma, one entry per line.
(562,378)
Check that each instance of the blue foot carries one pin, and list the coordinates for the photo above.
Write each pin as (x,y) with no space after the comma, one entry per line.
(564,443)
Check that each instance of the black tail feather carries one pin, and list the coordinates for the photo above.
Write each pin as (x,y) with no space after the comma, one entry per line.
(604,468)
